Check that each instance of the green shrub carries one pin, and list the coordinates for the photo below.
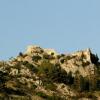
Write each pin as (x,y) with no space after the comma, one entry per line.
(30,66)
(62,55)
(47,97)
(90,96)
(50,86)
(51,73)
(84,64)
(58,56)
(21,54)
(41,94)
(98,85)
(46,56)
(52,53)
(36,58)
(34,86)
(56,97)
(62,61)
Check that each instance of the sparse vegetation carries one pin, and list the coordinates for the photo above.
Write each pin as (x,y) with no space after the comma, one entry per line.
(36,58)
(54,97)
(66,77)
(43,95)
(62,61)
(30,66)
(34,86)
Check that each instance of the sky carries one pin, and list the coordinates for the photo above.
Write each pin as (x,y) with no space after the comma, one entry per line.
(65,25)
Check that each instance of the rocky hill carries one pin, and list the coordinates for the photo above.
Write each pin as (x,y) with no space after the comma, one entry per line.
(43,74)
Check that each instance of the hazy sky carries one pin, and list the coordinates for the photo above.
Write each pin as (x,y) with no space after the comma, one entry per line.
(65,25)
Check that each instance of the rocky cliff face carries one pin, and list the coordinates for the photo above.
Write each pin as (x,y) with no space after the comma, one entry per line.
(43,74)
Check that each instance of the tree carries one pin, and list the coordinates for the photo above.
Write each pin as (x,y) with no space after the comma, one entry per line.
(70,78)
(20,54)
(98,85)
(94,58)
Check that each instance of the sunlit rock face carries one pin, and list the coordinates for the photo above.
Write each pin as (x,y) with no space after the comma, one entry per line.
(80,61)
(40,73)
(50,52)
(85,54)
(72,63)
(36,49)
(33,49)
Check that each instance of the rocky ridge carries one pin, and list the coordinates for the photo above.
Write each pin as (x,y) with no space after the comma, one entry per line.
(43,74)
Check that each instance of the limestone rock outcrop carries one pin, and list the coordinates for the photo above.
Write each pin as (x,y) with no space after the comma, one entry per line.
(44,74)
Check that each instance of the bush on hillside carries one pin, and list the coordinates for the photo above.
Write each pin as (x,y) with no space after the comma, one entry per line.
(51,73)
(36,58)
(30,66)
